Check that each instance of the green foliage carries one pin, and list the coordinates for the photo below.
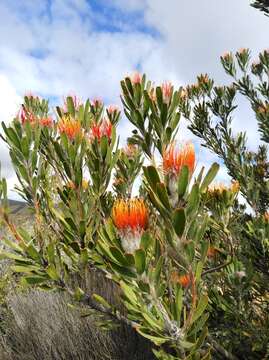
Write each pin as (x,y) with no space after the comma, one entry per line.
(186,260)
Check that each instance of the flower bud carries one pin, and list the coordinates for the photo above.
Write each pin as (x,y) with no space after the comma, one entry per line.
(131,219)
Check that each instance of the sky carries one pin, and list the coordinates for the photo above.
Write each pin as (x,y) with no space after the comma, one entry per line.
(85,47)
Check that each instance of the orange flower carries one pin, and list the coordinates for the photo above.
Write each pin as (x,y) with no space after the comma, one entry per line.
(211,252)
(104,128)
(47,122)
(174,159)
(70,127)
(184,280)
(130,218)
(130,214)
(136,78)
(167,90)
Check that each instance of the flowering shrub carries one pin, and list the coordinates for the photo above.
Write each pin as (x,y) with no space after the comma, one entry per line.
(189,264)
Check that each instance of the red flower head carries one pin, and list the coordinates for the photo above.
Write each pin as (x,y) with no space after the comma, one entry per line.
(112,109)
(70,127)
(47,122)
(131,219)
(97,103)
(136,78)
(25,115)
(174,159)
(104,128)
(167,91)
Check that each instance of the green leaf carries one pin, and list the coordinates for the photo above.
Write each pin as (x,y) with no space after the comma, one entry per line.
(104,146)
(146,240)
(183,181)
(159,96)
(140,261)
(179,302)
(123,270)
(152,176)
(162,195)
(154,324)
(155,339)
(193,200)
(52,272)
(129,293)
(70,106)
(12,136)
(101,300)
(34,280)
(212,172)
(158,269)
(202,305)
(179,221)
(32,251)
(186,344)
(25,268)
(198,272)
(7,255)
(79,294)
(118,255)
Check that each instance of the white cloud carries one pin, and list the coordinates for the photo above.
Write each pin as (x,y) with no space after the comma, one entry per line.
(9,103)
(70,55)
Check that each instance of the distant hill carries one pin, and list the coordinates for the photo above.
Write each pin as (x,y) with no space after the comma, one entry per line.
(17,206)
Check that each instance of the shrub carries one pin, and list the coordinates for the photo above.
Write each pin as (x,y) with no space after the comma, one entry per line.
(184,264)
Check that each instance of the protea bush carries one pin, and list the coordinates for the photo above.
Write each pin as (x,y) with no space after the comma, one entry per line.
(185,262)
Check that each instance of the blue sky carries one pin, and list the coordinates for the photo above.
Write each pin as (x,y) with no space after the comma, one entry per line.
(54,47)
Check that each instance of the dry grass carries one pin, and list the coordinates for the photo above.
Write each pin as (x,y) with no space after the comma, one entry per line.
(42,327)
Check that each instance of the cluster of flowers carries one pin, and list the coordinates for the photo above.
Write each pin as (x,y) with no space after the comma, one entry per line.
(131,216)
(70,126)
(166,87)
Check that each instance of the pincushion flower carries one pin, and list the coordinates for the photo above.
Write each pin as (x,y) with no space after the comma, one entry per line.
(175,158)
(183,280)
(47,122)
(136,78)
(25,115)
(104,128)
(167,91)
(97,103)
(131,219)
(70,127)
(219,188)
(112,109)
